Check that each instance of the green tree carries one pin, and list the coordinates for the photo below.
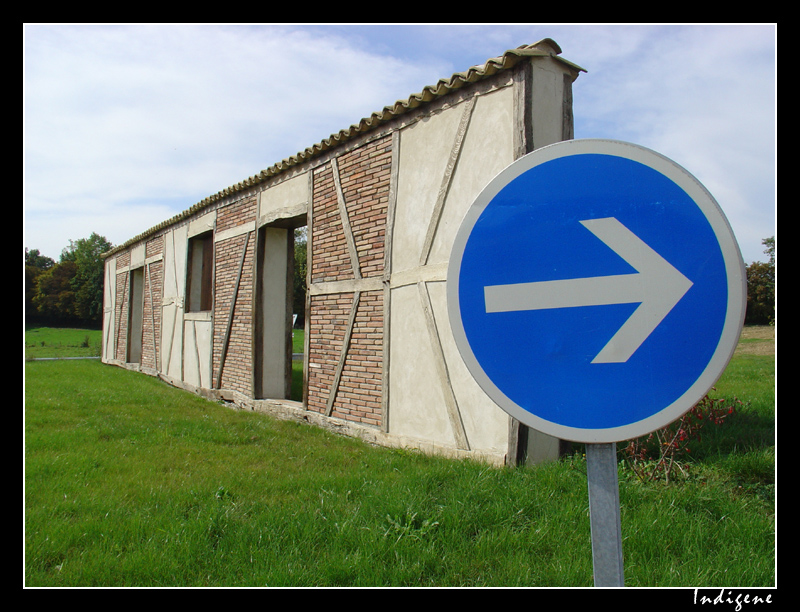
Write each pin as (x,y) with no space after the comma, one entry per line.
(54,297)
(35,265)
(300,267)
(70,291)
(88,280)
(761,288)
(35,259)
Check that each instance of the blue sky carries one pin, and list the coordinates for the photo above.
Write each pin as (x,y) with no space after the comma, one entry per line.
(127,125)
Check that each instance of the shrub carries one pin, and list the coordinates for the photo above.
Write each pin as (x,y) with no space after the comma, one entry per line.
(662,453)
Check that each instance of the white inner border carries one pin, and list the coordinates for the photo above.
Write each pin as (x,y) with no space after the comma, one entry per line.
(734,267)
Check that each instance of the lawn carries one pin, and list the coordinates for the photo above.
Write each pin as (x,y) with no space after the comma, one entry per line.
(130,482)
(53,342)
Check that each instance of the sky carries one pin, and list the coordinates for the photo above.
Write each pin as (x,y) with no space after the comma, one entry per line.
(127,125)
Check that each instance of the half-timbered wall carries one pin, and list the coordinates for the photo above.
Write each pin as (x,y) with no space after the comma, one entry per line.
(382,209)
(346,318)
(132,305)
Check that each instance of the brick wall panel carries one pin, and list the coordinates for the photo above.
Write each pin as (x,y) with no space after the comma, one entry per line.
(237,368)
(364,175)
(330,260)
(327,326)
(359,395)
(121,314)
(151,324)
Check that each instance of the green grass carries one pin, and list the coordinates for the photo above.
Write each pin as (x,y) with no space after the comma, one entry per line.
(130,482)
(53,342)
(297,340)
(49,342)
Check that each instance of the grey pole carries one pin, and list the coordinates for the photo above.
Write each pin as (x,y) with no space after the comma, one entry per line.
(604,514)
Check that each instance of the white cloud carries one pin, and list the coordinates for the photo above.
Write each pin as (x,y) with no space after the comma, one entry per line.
(121,118)
(703,96)
(127,125)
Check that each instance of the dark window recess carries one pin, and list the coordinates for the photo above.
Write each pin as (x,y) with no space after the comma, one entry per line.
(199,273)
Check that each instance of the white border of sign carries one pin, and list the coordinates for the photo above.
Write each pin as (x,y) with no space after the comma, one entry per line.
(734,266)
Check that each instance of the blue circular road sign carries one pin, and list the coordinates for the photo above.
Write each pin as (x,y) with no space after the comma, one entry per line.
(595,290)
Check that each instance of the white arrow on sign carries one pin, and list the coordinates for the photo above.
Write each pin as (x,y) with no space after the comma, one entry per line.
(656,285)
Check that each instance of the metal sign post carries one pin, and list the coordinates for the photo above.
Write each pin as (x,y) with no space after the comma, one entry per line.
(604,511)
(625,288)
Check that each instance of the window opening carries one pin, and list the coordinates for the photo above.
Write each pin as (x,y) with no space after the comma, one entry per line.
(199,275)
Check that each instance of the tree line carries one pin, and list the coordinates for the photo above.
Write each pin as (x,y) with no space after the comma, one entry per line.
(761,288)
(70,291)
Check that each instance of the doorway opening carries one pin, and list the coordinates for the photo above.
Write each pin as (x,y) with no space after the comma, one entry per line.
(280,288)
(135,316)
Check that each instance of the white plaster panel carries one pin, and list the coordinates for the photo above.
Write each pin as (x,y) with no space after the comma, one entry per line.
(547,100)
(202,224)
(109,308)
(272,311)
(286,199)
(424,151)
(417,406)
(487,149)
(485,423)
(197,353)
(175,245)
(416,403)
(137,255)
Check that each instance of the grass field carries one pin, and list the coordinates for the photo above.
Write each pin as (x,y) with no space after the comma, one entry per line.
(50,342)
(130,482)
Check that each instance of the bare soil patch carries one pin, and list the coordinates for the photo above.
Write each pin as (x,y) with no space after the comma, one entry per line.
(757,340)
